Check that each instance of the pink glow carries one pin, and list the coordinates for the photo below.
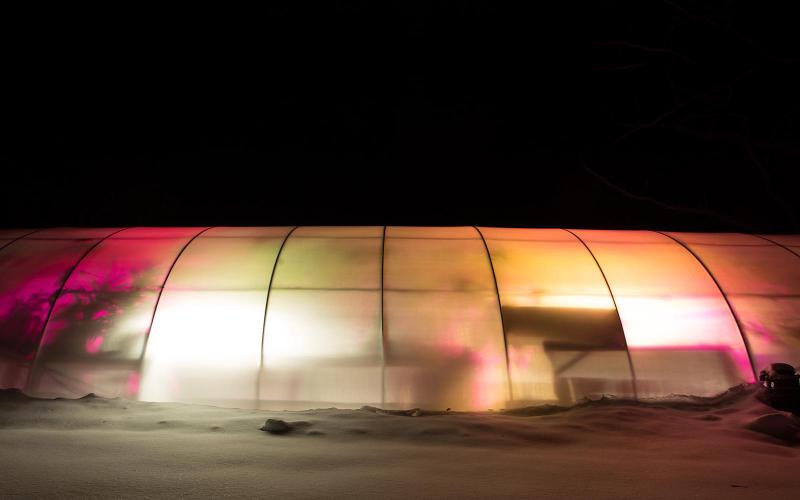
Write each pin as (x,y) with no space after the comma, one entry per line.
(105,310)
(520,357)
(489,368)
(93,344)
(31,274)
(132,386)
(762,330)
(683,347)
(100,314)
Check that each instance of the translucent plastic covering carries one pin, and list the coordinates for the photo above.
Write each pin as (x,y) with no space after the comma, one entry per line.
(32,271)
(681,334)
(565,340)
(322,338)
(12,234)
(96,335)
(7,236)
(426,317)
(762,282)
(442,328)
(791,241)
(206,337)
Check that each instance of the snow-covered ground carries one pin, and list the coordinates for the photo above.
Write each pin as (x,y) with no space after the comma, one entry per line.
(693,448)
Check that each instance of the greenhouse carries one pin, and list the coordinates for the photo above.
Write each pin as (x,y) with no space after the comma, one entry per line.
(438,317)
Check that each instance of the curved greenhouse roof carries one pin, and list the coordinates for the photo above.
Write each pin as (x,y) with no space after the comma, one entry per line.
(460,317)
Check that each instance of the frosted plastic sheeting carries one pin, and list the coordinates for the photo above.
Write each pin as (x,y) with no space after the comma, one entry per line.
(442,336)
(322,340)
(95,339)
(206,336)
(762,282)
(9,235)
(442,328)
(681,335)
(788,240)
(60,233)
(31,273)
(565,341)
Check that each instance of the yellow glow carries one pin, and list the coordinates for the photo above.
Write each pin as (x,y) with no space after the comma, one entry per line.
(561,301)
(559,316)
(204,345)
(532,372)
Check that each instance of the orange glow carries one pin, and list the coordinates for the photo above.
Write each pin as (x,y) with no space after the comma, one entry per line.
(668,301)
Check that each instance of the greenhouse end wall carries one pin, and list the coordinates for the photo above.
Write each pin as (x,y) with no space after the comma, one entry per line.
(437,317)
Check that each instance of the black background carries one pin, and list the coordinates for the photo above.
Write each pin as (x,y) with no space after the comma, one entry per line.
(662,115)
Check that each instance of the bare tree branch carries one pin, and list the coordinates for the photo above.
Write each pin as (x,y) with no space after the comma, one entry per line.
(652,123)
(742,37)
(645,48)
(662,204)
(620,67)
(765,178)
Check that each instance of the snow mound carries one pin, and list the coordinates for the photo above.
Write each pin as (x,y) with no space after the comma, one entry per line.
(676,447)
(777,425)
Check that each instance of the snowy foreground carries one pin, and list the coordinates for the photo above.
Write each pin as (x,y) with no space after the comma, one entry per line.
(694,448)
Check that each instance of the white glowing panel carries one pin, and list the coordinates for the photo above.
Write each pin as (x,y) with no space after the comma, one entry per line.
(205,347)
(206,336)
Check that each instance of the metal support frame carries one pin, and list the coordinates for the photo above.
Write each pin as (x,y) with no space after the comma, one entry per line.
(161,290)
(614,301)
(500,309)
(778,244)
(14,240)
(383,329)
(35,366)
(725,297)
(58,294)
(266,308)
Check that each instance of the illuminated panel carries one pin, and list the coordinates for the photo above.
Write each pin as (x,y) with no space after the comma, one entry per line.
(565,340)
(32,270)
(206,336)
(322,335)
(442,327)
(97,332)
(680,332)
(762,282)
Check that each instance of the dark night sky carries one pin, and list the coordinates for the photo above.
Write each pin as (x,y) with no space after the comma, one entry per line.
(668,115)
